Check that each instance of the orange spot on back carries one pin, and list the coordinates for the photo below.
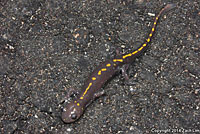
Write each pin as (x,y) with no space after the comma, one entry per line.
(120,60)
(134,52)
(140,48)
(99,73)
(108,65)
(93,78)
(103,69)
(127,55)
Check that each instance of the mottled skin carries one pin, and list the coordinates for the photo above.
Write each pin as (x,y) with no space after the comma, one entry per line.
(103,73)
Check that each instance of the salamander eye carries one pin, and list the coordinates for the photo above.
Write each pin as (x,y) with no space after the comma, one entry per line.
(73,116)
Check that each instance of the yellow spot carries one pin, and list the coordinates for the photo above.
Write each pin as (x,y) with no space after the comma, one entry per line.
(154,23)
(114,64)
(156,18)
(148,39)
(150,35)
(103,69)
(78,104)
(93,78)
(87,89)
(140,48)
(134,52)
(115,60)
(99,73)
(75,101)
(108,65)
(153,29)
(126,55)
(81,98)
(144,45)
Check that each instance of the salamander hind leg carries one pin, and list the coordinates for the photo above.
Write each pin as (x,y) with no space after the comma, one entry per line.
(118,52)
(124,70)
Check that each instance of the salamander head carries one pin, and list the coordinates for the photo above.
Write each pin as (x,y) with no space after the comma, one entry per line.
(71,112)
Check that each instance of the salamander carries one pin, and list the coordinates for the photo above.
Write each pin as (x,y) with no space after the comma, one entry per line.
(103,73)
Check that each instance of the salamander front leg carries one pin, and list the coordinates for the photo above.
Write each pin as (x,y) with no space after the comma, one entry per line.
(98,94)
(70,94)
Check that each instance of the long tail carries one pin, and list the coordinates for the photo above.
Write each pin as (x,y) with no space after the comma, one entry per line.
(165,9)
(131,56)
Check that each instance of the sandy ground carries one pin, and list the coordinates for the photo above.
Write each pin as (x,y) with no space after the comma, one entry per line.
(46,47)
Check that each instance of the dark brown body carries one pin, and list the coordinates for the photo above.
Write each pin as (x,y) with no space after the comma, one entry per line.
(103,73)
(98,83)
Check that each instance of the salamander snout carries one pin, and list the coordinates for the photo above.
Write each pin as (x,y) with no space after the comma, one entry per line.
(71,113)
